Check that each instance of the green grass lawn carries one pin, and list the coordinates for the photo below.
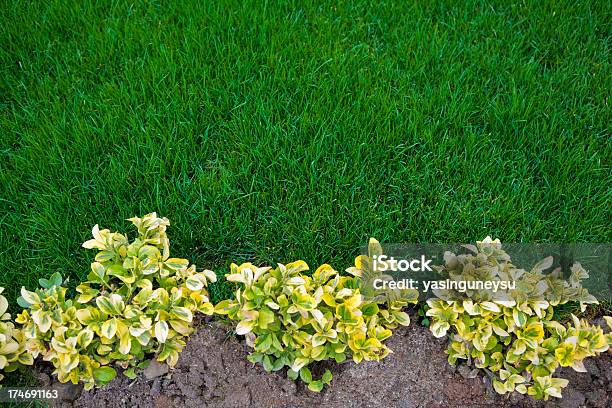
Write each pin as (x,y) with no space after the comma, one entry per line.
(273,133)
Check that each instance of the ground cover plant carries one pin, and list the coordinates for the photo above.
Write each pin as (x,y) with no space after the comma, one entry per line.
(12,342)
(137,302)
(292,319)
(515,340)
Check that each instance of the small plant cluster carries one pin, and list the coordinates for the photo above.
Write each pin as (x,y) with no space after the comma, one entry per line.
(293,320)
(137,301)
(516,340)
(12,342)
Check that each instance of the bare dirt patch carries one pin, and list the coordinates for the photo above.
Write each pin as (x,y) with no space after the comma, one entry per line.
(213,372)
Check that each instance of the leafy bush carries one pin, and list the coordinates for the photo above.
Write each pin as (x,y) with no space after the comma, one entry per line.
(12,350)
(292,319)
(516,341)
(137,301)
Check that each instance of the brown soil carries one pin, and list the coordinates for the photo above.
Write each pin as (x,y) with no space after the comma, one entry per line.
(213,372)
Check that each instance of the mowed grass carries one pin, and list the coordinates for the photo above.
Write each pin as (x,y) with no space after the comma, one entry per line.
(270,133)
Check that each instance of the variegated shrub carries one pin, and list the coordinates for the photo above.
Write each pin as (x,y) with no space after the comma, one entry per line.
(292,319)
(12,350)
(136,302)
(515,340)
